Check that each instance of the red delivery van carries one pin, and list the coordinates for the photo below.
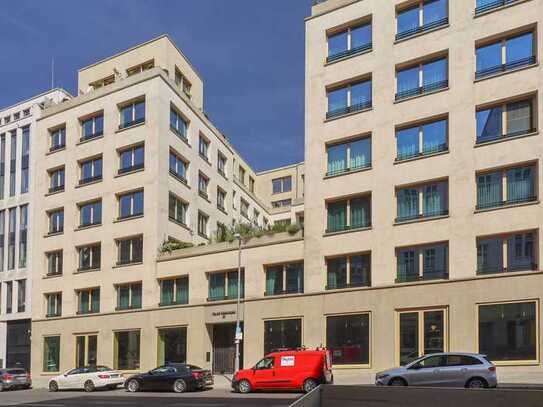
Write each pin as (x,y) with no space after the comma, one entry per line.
(289,370)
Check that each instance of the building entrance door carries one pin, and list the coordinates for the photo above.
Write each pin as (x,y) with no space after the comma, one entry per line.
(224,348)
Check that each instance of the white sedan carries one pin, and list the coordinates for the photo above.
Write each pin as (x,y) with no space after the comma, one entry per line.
(88,378)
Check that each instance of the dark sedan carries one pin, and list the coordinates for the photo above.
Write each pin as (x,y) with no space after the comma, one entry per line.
(178,377)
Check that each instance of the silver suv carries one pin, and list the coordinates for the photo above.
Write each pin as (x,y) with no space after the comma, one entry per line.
(443,370)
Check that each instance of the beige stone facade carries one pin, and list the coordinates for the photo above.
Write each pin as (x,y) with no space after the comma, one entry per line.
(403,254)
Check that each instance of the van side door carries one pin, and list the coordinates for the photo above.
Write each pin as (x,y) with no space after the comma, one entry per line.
(264,373)
(287,367)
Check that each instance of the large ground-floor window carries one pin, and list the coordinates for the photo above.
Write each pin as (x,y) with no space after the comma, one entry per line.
(172,345)
(127,350)
(421,332)
(51,354)
(508,331)
(86,349)
(348,338)
(282,334)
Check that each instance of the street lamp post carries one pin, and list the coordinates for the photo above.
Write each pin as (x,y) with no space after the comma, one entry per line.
(239,334)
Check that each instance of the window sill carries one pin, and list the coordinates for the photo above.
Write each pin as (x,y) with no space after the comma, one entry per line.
(89,183)
(96,225)
(129,172)
(222,174)
(346,57)
(204,196)
(368,168)
(172,304)
(122,265)
(49,152)
(516,363)
(420,220)
(507,206)
(118,309)
(282,294)
(433,92)
(492,10)
(342,232)
(53,234)
(88,140)
(80,313)
(205,159)
(346,367)
(181,180)
(119,220)
(509,71)
(84,271)
(183,225)
(331,119)
(421,157)
(420,34)
(55,192)
(53,316)
(48,276)
(131,126)
(504,139)
(347,287)
(183,138)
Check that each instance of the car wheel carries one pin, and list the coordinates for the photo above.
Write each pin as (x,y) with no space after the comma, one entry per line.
(53,386)
(180,386)
(133,386)
(477,383)
(89,386)
(309,384)
(244,386)
(397,381)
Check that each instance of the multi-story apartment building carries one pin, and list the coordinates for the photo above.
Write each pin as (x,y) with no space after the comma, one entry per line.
(421,210)
(17,152)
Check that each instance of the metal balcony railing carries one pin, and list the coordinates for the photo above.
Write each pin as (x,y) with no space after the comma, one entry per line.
(429,88)
(429,274)
(497,204)
(426,27)
(349,109)
(345,228)
(505,67)
(352,168)
(492,5)
(426,151)
(338,286)
(424,215)
(486,138)
(349,52)
(495,268)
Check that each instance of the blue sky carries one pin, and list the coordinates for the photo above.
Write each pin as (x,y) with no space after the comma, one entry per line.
(250,54)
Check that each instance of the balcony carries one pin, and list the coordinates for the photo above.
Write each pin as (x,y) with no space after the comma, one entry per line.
(493,70)
(421,216)
(425,152)
(528,265)
(422,90)
(350,52)
(499,204)
(349,109)
(492,5)
(423,28)
(410,276)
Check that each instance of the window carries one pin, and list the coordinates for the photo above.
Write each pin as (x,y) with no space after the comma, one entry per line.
(2,238)
(9,297)
(172,345)
(221,164)
(90,214)
(505,54)
(241,175)
(424,16)
(178,124)
(131,159)
(427,262)
(244,208)
(508,332)
(348,338)
(282,334)
(256,216)
(422,201)
(351,98)
(202,224)
(203,148)
(422,78)
(506,187)
(281,203)
(132,114)
(203,183)
(54,304)
(131,204)
(127,350)
(89,257)
(7,119)
(13,162)
(86,349)
(182,82)
(129,296)
(2,164)
(92,127)
(88,301)
(12,216)
(26,112)
(177,209)
(280,185)
(348,156)
(25,159)
(224,286)
(508,253)
(348,271)
(54,263)
(91,170)
(21,295)
(178,167)
(488,5)
(103,82)
(23,235)
(421,333)
(285,279)
(140,68)
(421,140)
(174,291)
(505,120)
(221,199)
(251,184)
(57,139)
(130,250)
(56,180)
(351,41)
(348,214)
(16,116)
(51,354)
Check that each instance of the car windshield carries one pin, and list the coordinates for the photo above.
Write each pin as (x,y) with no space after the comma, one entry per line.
(266,363)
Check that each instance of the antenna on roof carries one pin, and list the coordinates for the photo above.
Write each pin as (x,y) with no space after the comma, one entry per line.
(52,72)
